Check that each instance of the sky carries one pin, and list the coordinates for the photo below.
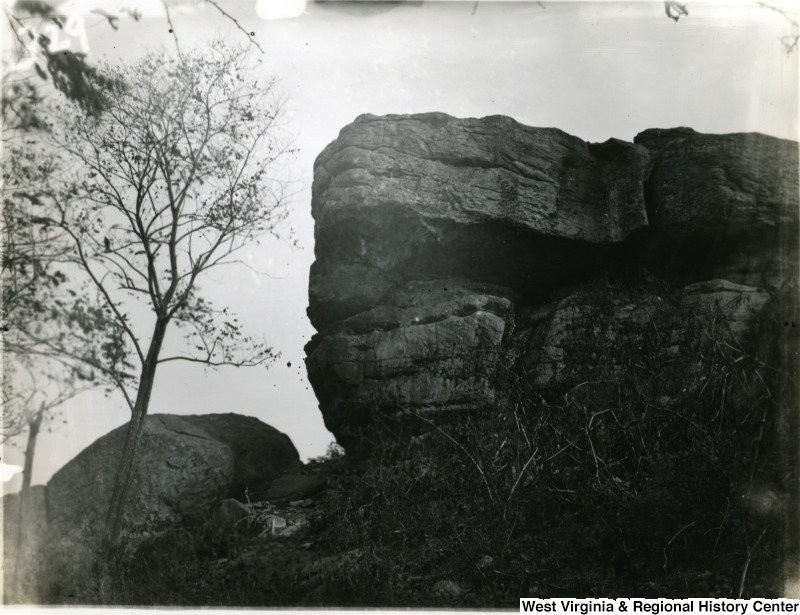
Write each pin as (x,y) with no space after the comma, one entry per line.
(594,69)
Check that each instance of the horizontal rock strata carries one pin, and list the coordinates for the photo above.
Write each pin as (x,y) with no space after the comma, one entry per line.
(451,250)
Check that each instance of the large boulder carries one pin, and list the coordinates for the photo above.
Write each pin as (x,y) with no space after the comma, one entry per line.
(185,465)
(449,250)
(180,469)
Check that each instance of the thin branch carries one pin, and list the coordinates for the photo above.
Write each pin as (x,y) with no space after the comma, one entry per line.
(172,28)
(750,551)
(464,450)
(785,15)
(212,363)
(671,540)
(238,25)
(123,322)
(520,475)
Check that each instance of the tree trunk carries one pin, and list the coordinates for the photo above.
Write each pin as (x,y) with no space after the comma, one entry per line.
(30,448)
(34,423)
(122,481)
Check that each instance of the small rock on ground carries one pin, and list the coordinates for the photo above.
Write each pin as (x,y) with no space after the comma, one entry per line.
(448,589)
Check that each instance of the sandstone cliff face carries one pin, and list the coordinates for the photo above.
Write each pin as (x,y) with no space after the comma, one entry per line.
(449,251)
(405,198)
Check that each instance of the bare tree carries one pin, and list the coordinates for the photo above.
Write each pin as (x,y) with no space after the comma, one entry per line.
(30,399)
(56,339)
(172,180)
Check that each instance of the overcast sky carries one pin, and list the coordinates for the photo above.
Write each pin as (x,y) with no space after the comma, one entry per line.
(596,70)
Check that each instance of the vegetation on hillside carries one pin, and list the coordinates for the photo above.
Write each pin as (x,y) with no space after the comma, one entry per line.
(659,476)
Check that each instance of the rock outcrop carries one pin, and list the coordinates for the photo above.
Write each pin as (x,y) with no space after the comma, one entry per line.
(598,327)
(406,198)
(186,465)
(722,206)
(451,250)
(433,346)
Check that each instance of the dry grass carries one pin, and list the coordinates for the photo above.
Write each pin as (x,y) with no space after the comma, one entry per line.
(629,482)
